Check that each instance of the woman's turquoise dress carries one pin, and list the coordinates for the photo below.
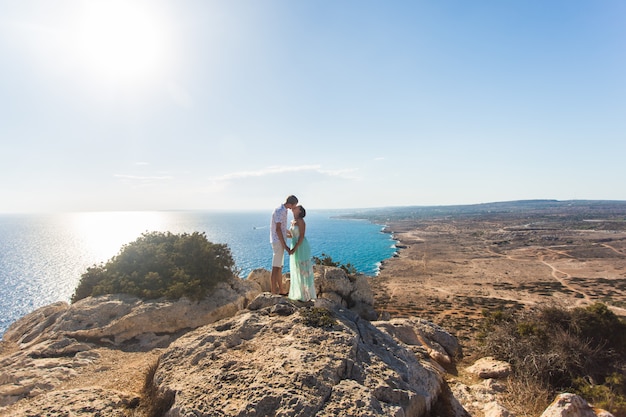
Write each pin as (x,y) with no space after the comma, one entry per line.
(302,286)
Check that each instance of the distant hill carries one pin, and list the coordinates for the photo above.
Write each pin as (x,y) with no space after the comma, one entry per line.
(577,210)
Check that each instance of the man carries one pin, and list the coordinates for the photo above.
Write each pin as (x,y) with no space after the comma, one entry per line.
(278,239)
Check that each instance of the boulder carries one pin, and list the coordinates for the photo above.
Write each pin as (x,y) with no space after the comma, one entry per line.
(481,398)
(571,405)
(353,292)
(424,337)
(332,280)
(488,367)
(262,277)
(331,283)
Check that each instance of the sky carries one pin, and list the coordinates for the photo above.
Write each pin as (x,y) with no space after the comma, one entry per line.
(233,105)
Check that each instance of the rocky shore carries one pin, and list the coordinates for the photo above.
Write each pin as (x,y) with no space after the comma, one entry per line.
(243,352)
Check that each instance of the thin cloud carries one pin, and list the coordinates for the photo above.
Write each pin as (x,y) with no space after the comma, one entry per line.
(274,170)
(143,181)
(143,178)
(341,173)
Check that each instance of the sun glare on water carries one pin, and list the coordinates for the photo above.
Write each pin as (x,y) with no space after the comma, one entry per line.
(103,234)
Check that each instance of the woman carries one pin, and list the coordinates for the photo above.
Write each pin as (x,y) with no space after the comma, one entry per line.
(302,285)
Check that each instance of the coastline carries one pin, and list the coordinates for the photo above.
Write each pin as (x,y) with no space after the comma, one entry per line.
(451,270)
(44,255)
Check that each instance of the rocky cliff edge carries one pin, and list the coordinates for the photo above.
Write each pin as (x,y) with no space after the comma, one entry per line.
(241,352)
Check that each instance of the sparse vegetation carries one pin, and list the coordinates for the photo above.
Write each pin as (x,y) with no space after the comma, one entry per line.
(526,397)
(159,265)
(327,260)
(153,402)
(318,317)
(552,349)
(503,258)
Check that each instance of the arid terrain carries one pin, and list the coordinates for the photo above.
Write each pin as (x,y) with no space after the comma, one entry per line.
(454,263)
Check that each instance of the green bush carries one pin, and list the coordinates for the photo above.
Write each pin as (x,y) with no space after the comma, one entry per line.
(326,260)
(609,396)
(159,265)
(582,350)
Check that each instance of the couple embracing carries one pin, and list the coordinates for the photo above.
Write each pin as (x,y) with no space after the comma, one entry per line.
(300,263)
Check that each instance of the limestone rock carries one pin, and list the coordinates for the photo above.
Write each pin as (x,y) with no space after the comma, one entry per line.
(284,309)
(332,280)
(84,402)
(570,405)
(262,277)
(165,317)
(265,300)
(493,409)
(120,318)
(54,341)
(291,369)
(27,375)
(331,283)
(424,337)
(488,367)
(256,362)
(32,325)
(480,398)
(353,292)
(362,292)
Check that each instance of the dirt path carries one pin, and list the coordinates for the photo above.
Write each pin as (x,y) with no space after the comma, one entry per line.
(613,249)
(562,278)
(451,275)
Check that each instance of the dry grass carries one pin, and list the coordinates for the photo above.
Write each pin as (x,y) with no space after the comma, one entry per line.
(525,398)
(153,402)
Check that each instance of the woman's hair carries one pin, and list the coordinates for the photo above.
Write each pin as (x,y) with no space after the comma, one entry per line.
(302,212)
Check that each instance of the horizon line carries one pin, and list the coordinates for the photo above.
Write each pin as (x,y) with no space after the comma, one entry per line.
(237,210)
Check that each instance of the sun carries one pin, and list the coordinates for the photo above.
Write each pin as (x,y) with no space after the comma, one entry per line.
(121,40)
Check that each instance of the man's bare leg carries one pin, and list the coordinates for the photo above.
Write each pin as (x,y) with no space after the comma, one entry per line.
(280,281)
(275,280)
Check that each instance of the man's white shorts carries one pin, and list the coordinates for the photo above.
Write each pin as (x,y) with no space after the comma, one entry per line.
(279,255)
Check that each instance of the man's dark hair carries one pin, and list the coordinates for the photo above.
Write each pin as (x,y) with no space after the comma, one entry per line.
(292,199)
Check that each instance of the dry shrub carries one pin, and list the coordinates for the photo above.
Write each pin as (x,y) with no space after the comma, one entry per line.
(153,402)
(526,397)
(554,349)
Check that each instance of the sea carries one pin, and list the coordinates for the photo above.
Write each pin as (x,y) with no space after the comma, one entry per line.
(42,256)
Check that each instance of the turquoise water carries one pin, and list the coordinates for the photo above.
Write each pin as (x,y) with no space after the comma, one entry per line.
(43,256)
